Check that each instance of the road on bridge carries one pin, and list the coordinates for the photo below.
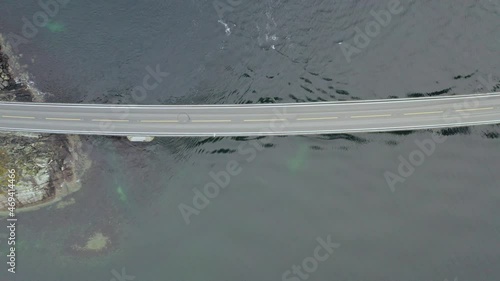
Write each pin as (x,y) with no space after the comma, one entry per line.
(252,119)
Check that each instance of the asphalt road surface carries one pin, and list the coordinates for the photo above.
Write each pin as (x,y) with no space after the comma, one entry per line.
(252,119)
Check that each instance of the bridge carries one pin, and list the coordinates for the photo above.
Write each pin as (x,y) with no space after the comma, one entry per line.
(252,119)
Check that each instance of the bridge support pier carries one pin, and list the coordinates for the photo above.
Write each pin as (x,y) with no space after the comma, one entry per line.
(140,138)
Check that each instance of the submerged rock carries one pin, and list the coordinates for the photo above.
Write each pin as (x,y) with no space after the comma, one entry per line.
(96,243)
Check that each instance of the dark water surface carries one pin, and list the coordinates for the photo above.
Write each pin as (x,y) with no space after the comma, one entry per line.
(440,221)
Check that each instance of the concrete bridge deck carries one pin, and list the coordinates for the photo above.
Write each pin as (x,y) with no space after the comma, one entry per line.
(252,119)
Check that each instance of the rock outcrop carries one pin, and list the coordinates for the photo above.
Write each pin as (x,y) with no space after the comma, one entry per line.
(48,167)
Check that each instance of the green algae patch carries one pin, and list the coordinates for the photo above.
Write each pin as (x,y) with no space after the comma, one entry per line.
(120,190)
(121,194)
(298,161)
(56,27)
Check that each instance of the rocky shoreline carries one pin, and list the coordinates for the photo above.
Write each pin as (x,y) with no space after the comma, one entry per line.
(6,81)
(48,167)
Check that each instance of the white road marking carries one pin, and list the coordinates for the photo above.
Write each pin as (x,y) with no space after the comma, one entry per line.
(237,106)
